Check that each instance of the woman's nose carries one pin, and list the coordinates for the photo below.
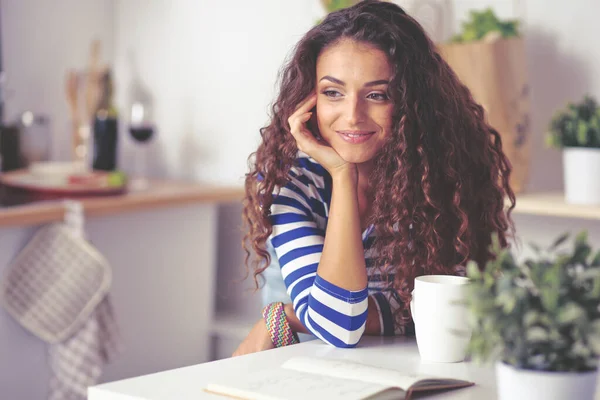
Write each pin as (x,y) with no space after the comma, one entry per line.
(355,110)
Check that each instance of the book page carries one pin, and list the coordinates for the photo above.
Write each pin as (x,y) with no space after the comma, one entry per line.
(354,371)
(287,384)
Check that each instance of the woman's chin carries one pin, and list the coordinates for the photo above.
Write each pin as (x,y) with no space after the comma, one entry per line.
(355,157)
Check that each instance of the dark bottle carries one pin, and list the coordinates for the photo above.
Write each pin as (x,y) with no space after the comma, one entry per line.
(105,142)
(105,129)
(10,135)
(10,148)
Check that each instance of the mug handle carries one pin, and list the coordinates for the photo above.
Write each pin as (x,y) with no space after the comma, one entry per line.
(412,306)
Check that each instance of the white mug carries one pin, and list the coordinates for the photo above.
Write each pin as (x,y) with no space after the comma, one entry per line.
(441,326)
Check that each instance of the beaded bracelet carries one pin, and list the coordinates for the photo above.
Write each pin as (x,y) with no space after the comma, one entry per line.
(279,329)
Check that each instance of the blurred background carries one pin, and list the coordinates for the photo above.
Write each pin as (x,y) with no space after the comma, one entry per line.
(204,73)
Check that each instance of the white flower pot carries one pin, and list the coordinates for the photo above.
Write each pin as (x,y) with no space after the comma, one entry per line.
(582,175)
(516,384)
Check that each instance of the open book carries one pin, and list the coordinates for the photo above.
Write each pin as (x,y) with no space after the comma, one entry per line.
(303,378)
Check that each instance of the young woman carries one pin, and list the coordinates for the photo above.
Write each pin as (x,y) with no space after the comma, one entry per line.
(377,167)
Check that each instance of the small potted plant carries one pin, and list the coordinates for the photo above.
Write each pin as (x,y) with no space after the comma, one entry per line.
(489,57)
(576,130)
(485,25)
(539,319)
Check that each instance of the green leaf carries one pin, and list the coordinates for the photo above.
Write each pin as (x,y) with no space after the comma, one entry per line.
(549,299)
(552,140)
(561,239)
(595,328)
(496,247)
(507,301)
(581,238)
(480,23)
(530,318)
(581,254)
(590,274)
(473,270)
(570,313)
(537,249)
(537,334)
(582,130)
(580,350)
(595,292)
(596,260)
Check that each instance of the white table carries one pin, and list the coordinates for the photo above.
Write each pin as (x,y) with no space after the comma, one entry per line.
(397,353)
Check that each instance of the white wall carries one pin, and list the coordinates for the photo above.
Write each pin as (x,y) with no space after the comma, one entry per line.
(564,62)
(210,66)
(40,41)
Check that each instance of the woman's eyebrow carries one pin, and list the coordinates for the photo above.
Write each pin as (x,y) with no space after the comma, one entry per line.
(342,83)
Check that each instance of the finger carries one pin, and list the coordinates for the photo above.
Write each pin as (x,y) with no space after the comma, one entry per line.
(299,131)
(306,105)
(305,140)
(298,124)
(311,98)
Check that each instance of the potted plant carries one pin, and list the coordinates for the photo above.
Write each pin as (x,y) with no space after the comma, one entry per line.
(334,5)
(488,55)
(485,25)
(576,130)
(539,319)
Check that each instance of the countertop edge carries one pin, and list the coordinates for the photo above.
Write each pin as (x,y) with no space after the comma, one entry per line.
(166,194)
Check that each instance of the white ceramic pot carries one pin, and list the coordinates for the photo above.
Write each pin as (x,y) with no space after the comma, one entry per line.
(582,175)
(517,384)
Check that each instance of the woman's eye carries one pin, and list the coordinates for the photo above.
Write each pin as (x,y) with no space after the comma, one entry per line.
(378,96)
(331,93)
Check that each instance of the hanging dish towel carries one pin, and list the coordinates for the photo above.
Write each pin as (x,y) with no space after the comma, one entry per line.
(77,361)
(57,288)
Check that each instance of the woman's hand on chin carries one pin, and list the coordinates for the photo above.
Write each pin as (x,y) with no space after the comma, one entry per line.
(308,143)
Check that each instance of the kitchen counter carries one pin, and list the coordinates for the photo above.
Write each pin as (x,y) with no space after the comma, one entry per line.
(162,246)
(160,194)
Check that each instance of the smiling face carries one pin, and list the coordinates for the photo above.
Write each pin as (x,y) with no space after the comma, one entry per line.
(354,114)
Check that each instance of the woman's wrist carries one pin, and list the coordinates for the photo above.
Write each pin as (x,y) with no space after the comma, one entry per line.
(345,175)
(278,326)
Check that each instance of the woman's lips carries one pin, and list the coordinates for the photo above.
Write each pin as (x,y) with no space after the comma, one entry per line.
(355,137)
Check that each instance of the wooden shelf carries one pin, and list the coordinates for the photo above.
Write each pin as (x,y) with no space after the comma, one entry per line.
(161,194)
(553,204)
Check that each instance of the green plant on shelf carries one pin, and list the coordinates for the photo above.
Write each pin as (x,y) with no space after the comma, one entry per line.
(577,125)
(539,314)
(334,5)
(484,25)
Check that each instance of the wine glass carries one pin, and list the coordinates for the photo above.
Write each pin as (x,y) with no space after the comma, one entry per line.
(141,129)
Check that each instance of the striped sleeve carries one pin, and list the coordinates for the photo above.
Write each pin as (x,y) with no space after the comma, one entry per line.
(388,302)
(333,314)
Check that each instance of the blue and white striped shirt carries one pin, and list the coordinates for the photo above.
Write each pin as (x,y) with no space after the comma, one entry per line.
(299,215)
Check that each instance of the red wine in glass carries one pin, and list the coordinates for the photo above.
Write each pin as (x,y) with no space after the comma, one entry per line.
(141,133)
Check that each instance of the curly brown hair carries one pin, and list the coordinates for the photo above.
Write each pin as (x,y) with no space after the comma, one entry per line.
(440,182)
